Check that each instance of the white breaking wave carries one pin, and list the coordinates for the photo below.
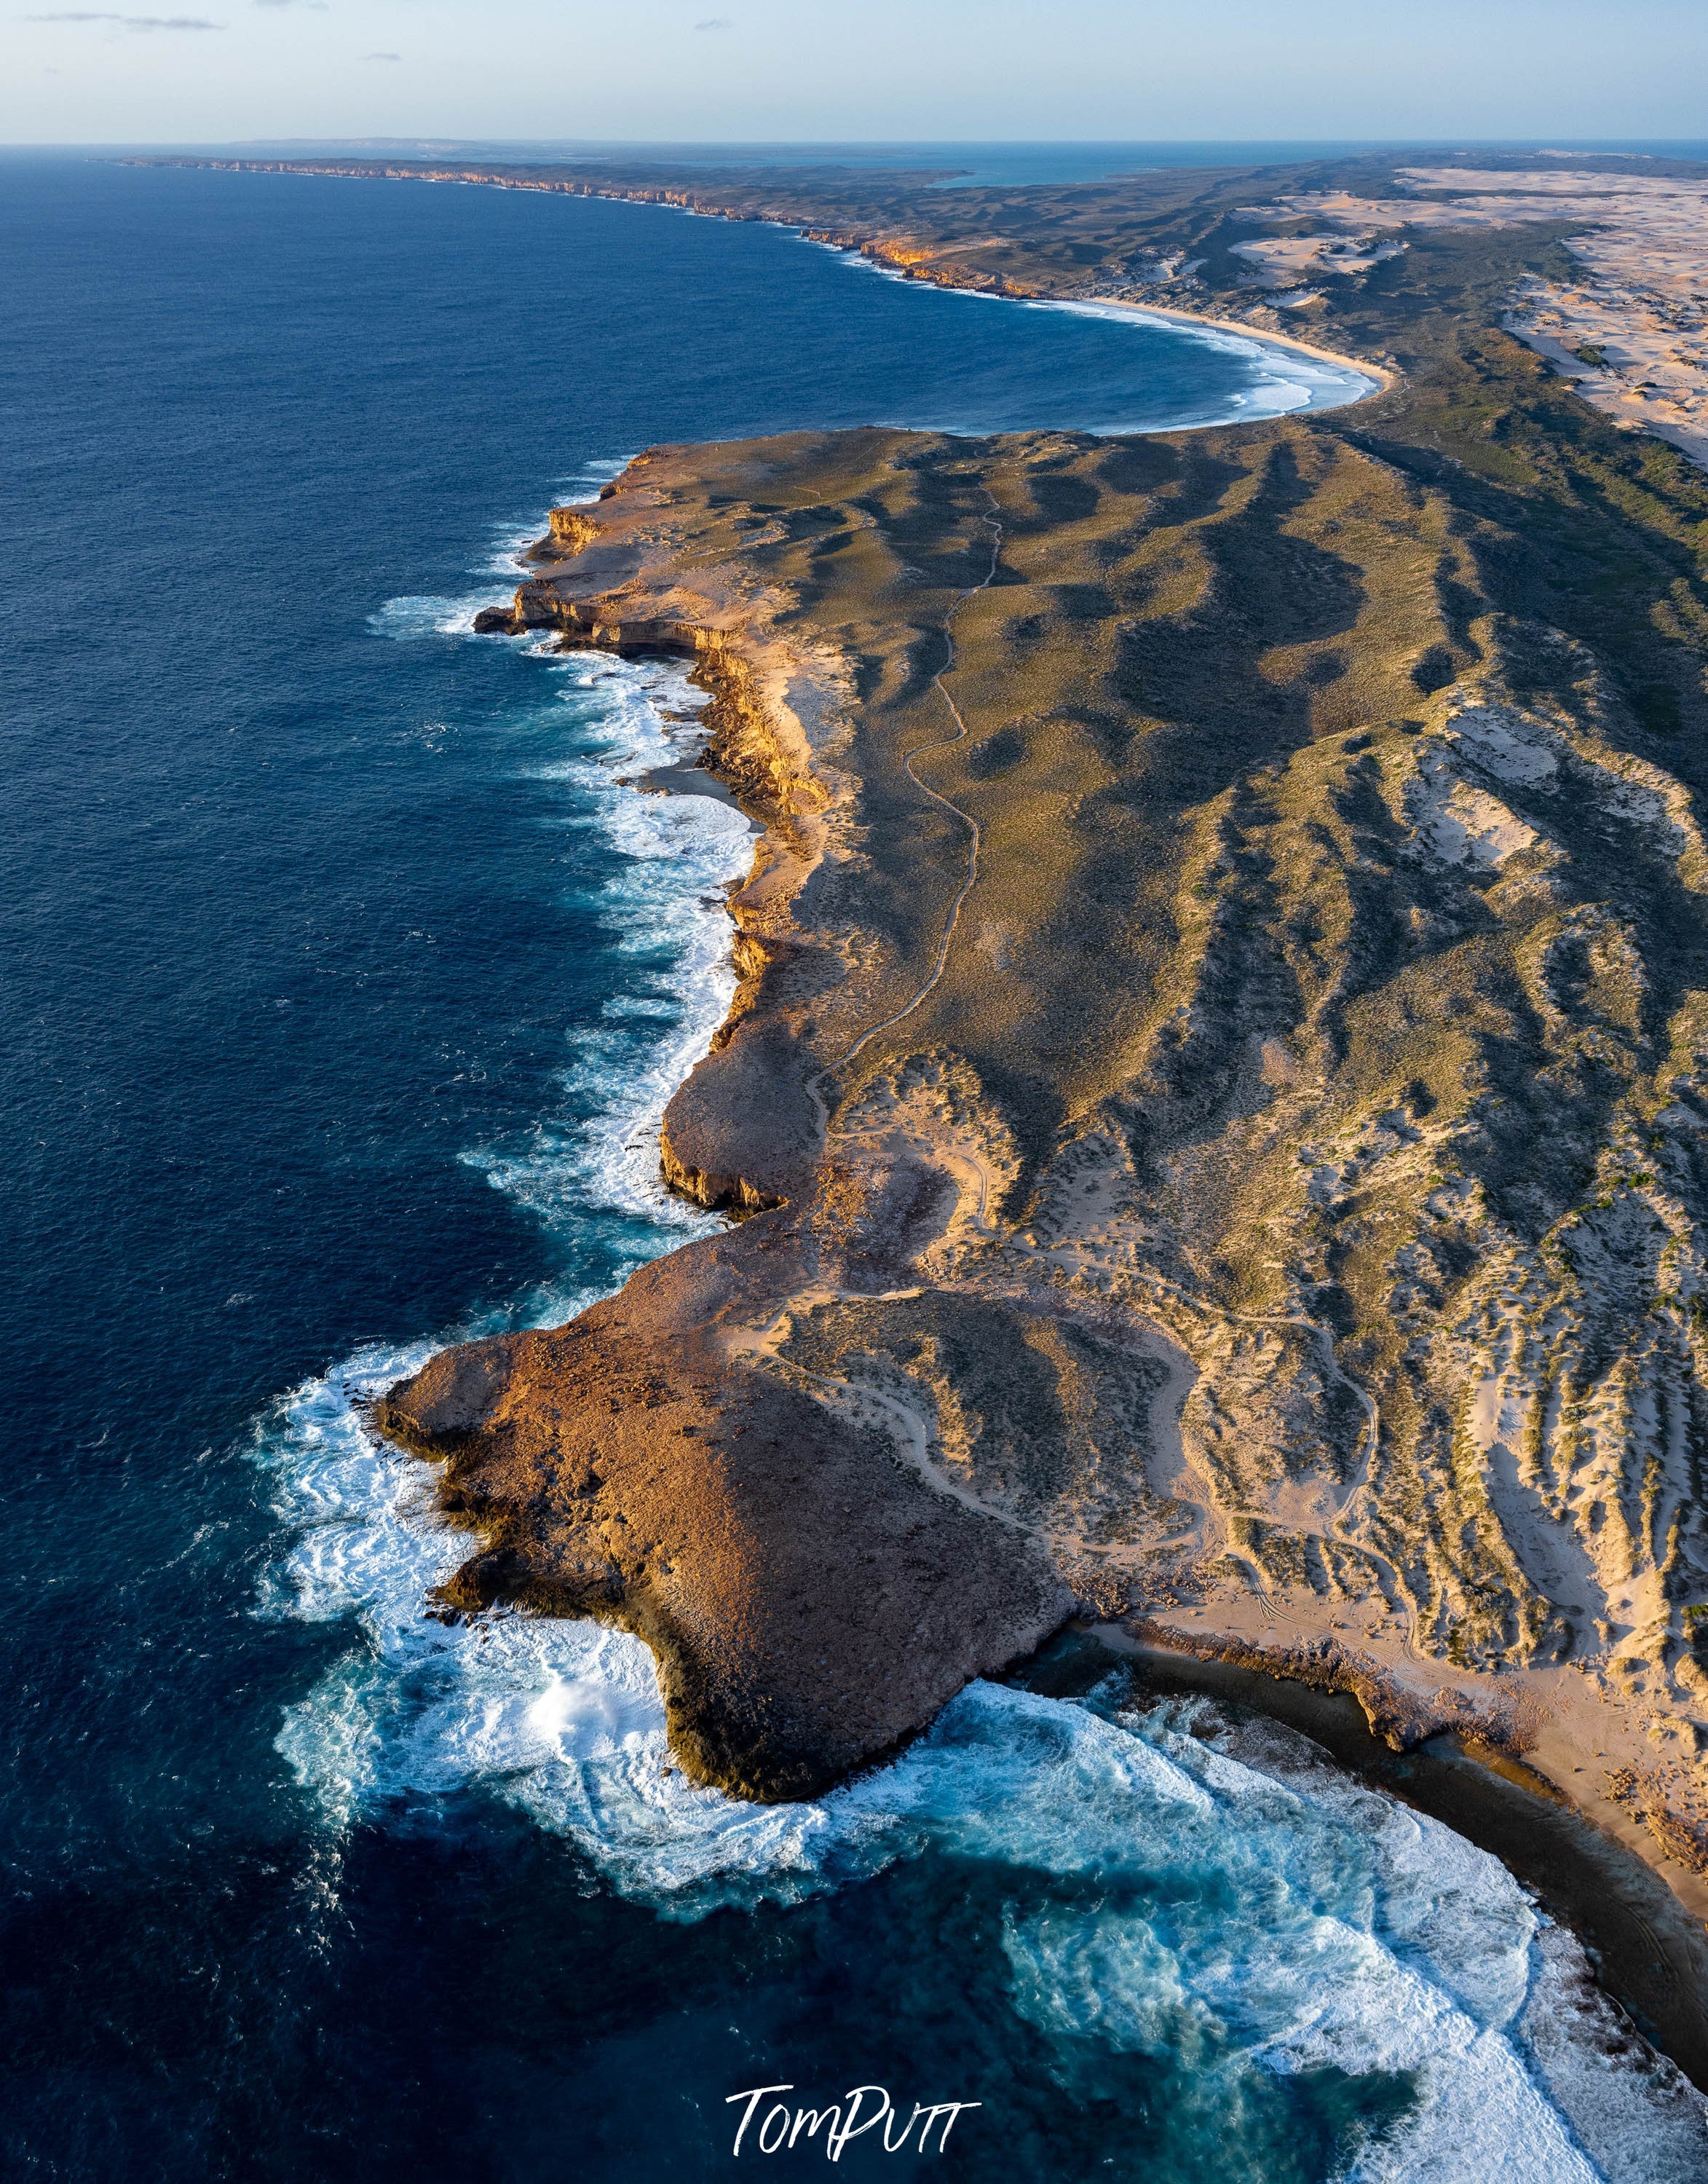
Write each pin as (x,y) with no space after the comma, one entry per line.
(1218,1893)
(666,900)
(427,615)
(1243,1909)
(1291,379)
(578,490)
(423,1706)
(562,1719)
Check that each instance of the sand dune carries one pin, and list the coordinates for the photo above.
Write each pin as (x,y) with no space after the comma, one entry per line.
(1633,332)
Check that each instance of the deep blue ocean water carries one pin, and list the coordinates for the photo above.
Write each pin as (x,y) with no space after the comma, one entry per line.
(343,982)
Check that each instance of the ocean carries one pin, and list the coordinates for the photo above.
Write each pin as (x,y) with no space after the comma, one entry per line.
(345,977)
(966,165)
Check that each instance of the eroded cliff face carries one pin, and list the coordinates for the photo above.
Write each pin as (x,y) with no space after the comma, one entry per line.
(1266,1202)
(808,1609)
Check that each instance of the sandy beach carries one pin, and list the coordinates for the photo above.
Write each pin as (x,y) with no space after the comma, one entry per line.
(1650,1944)
(1380,375)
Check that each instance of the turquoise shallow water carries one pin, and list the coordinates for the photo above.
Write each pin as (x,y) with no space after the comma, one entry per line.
(344,983)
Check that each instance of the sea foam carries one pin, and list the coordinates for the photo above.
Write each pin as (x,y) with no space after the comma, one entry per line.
(418,614)
(509,538)
(663,911)
(1242,1906)
(566,1714)
(1217,1891)
(1289,379)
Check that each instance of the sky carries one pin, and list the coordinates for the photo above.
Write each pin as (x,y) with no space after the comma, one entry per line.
(218,71)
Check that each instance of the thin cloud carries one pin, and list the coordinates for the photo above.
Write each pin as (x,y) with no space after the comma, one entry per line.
(382,57)
(131,22)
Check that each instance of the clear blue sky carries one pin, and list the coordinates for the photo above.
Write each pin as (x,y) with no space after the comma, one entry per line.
(796,70)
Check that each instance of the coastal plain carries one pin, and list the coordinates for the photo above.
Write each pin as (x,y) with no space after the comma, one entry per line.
(1215,1096)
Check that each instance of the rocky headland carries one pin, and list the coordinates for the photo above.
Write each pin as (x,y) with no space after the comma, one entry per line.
(1217,1094)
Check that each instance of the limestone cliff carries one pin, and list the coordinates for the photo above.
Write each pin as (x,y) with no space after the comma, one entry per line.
(1274,1180)
(1219,1062)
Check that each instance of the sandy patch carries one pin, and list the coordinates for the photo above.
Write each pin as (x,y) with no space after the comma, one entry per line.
(1633,332)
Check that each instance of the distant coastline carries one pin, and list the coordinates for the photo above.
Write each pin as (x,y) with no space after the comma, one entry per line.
(1382,376)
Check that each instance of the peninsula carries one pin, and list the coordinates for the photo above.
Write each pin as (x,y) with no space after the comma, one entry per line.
(1218,1084)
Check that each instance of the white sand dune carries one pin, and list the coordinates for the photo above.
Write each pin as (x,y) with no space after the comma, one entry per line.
(1633,332)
